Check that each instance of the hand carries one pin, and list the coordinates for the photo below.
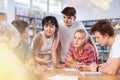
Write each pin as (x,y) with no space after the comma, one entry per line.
(93,67)
(79,65)
(48,61)
(59,65)
(41,68)
(69,59)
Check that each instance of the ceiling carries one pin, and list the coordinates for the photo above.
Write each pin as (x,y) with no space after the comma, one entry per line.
(103,4)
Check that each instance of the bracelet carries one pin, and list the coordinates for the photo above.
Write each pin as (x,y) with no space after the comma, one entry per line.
(97,69)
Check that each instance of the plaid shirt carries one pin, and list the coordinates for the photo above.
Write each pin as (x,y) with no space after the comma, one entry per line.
(87,55)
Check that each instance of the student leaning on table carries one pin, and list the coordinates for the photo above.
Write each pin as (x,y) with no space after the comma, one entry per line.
(105,35)
(45,42)
(80,52)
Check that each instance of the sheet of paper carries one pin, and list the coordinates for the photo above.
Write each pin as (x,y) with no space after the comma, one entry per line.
(91,73)
(50,68)
(63,77)
(71,69)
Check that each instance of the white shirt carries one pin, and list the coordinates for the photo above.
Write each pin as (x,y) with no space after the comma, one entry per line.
(115,48)
(47,43)
(66,35)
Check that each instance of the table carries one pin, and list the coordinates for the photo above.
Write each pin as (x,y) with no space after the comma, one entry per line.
(57,71)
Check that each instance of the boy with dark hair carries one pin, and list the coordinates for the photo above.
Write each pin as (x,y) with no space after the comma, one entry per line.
(104,34)
(69,11)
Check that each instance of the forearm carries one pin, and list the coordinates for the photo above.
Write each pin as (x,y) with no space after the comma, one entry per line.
(72,63)
(54,48)
(107,70)
(103,64)
(106,63)
(39,60)
(54,56)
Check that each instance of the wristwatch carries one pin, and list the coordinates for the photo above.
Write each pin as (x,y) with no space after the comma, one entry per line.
(97,69)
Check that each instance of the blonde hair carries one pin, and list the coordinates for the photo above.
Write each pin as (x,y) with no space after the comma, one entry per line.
(9,34)
(83,32)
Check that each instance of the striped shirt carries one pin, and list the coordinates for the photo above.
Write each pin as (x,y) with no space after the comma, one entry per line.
(87,55)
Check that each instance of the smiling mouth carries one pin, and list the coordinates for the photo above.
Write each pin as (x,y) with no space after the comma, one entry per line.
(76,43)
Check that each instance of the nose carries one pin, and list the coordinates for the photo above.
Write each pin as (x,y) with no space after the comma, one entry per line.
(76,40)
(65,19)
(49,28)
(97,40)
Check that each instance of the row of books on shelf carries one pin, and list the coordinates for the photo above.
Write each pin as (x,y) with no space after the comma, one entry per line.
(35,25)
(21,10)
(32,21)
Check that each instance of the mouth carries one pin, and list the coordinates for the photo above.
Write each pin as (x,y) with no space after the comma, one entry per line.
(76,44)
(48,32)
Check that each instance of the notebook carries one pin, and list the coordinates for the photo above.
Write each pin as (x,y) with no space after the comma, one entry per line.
(91,73)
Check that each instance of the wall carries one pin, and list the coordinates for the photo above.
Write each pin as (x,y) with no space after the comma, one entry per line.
(10,10)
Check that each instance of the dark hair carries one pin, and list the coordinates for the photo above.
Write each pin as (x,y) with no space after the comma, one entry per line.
(69,11)
(20,25)
(50,19)
(104,27)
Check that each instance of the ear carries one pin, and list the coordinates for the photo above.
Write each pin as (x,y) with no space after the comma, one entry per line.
(74,18)
(106,35)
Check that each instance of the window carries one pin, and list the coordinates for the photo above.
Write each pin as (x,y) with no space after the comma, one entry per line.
(41,4)
(55,6)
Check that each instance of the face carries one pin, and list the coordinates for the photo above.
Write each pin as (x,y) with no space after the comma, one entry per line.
(49,30)
(102,40)
(79,39)
(68,20)
(24,35)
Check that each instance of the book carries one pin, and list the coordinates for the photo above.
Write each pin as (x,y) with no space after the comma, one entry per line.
(71,69)
(91,73)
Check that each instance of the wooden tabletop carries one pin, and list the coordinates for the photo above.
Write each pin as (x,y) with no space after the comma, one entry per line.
(60,71)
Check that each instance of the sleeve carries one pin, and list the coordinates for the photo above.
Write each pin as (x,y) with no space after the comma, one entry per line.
(91,54)
(70,51)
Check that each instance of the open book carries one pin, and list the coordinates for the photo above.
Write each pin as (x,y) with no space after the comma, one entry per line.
(91,73)
(94,73)
(71,69)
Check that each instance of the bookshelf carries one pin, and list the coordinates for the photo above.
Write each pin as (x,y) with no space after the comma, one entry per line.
(33,28)
(32,16)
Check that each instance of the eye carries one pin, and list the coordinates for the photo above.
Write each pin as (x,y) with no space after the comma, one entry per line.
(52,26)
(79,38)
(69,17)
(45,26)
(74,37)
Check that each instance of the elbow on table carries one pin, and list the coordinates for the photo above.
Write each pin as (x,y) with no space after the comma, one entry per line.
(112,72)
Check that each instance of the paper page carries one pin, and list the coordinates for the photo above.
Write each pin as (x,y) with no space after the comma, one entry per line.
(50,68)
(71,69)
(63,77)
(91,73)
